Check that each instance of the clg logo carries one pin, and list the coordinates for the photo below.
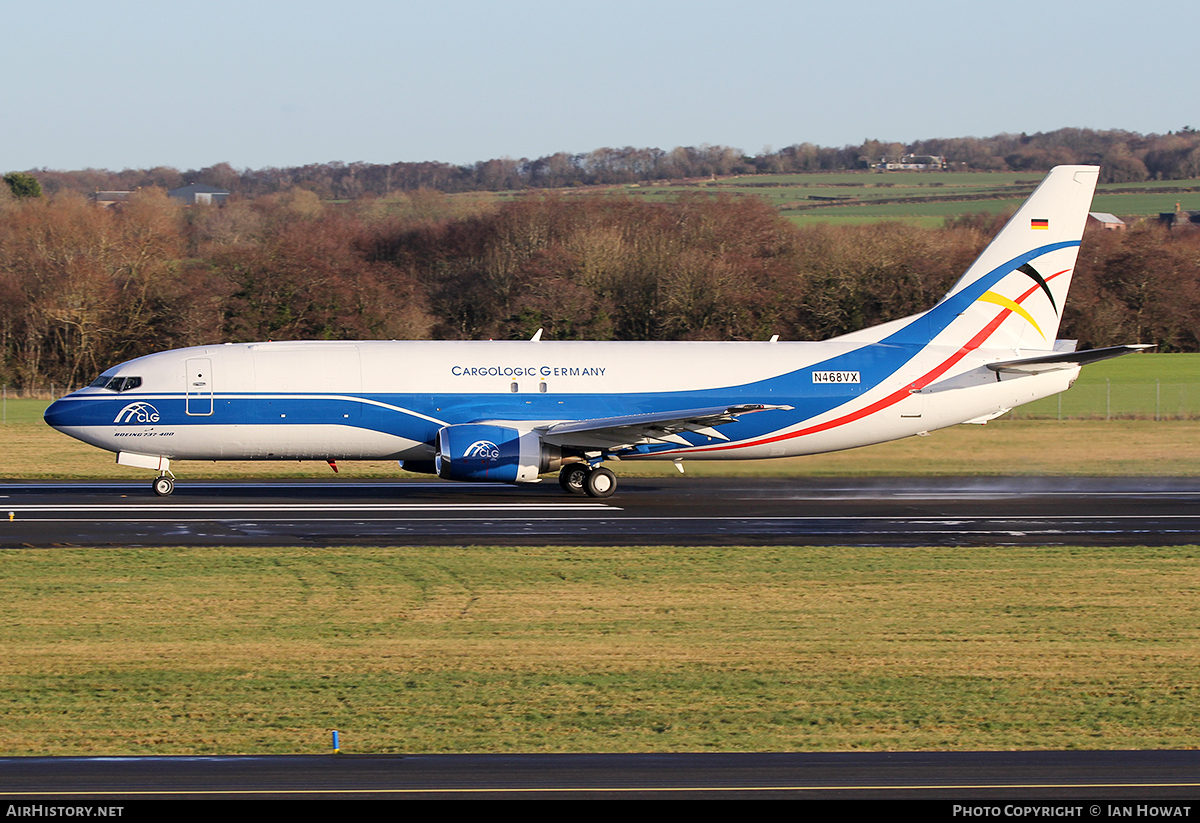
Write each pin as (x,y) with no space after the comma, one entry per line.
(482,450)
(137,413)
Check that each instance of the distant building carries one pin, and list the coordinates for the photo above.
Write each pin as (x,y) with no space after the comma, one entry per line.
(1179,217)
(109,199)
(199,194)
(1105,220)
(915,162)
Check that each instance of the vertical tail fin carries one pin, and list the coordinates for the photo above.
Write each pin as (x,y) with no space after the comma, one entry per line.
(1016,289)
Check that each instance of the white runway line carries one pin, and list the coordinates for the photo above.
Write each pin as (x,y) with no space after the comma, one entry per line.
(108,508)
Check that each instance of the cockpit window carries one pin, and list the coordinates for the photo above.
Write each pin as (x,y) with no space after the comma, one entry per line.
(117,384)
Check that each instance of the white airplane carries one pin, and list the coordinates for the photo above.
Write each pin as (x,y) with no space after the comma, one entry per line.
(511,411)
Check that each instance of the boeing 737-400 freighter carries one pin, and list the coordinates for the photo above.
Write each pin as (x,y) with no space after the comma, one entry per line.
(510,411)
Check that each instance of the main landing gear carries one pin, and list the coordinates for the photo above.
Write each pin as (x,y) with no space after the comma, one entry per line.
(580,478)
(164,485)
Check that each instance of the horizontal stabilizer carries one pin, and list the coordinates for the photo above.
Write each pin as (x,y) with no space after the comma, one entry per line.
(1064,360)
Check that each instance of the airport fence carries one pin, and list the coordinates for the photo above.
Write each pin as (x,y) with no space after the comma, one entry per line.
(1118,400)
(48,392)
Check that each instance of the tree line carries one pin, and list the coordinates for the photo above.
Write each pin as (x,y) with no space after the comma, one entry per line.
(83,287)
(1122,155)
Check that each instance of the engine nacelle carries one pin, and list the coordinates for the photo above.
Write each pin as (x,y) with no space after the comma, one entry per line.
(497,454)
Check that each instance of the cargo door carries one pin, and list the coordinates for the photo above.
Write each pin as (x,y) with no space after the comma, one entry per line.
(199,388)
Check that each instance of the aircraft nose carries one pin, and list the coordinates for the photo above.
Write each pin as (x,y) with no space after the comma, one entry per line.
(58,414)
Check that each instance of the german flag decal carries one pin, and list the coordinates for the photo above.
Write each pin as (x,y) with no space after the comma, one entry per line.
(1039,224)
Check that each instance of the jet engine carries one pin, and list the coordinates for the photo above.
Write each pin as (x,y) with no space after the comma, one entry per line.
(497,454)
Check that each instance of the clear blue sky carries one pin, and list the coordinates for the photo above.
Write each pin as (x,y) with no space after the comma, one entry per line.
(129,83)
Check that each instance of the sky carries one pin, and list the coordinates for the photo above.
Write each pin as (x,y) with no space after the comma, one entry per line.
(260,83)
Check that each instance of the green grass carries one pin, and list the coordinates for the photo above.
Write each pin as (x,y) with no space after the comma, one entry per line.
(809,218)
(997,192)
(928,215)
(1140,385)
(1145,205)
(1143,368)
(442,649)
(930,179)
(1148,205)
(24,411)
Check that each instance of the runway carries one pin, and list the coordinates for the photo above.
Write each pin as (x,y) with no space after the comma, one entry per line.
(785,511)
(1077,778)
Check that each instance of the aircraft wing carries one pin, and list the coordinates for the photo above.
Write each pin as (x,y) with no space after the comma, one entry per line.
(1064,360)
(657,427)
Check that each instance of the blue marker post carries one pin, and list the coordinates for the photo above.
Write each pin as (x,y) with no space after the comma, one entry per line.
(336,748)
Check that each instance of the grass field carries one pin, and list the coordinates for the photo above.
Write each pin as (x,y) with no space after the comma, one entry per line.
(440,649)
(926,215)
(1140,385)
(873,178)
(924,198)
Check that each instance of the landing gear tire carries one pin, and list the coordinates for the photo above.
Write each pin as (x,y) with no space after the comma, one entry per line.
(163,485)
(573,477)
(600,483)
